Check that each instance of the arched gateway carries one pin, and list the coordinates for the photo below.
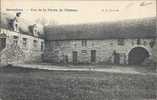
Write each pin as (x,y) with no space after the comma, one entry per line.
(137,55)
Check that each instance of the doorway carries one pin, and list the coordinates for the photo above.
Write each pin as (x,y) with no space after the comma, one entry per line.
(75,57)
(137,56)
(116,58)
(93,55)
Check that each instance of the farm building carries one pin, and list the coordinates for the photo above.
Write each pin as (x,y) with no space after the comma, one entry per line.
(122,42)
(19,41)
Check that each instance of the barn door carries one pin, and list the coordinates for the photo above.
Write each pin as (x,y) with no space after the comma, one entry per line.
(93,55)
(116,58)
(137,56)
(75,55)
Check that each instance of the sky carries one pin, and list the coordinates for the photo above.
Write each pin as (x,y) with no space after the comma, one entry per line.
(80,11)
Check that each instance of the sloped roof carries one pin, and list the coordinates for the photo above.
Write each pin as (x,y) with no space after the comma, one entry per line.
(24,25)
(135,28)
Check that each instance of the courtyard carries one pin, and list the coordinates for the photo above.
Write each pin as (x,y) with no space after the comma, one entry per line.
(41,84)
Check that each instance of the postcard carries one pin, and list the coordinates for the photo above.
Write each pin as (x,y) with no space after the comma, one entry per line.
(78,50)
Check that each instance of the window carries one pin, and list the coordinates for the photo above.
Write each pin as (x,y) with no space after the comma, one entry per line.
(120,41)
(138,41)
(152,43)
(35,43)
(111,44)
(15,40)
(132,42)
(84,51)
(42,46)
(92,43)
(145,43)
(35,30)
(74,43)
(84,43)
(2,43)
(24,42)
(57,43)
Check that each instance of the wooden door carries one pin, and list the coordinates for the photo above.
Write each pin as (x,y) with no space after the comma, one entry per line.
(117,58)
(93,55)
(75,55)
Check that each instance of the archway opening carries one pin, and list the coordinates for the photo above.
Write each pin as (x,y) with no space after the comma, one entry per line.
(137,56)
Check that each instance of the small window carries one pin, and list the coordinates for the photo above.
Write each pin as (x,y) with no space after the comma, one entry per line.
(120,41)
(15,39)
(42,46)
(57,43)
(132,42)
(93,44)
(152,43)
(138,41)
(2,43)
(74,43)
(24,42)
(145,43)
(84,51)
(35,43)
(84,43)
(111,44)
(35,30)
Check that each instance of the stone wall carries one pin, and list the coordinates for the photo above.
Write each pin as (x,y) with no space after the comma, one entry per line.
(20,51)
(58,51)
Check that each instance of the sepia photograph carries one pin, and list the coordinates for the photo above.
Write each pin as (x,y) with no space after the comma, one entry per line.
(78,50)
